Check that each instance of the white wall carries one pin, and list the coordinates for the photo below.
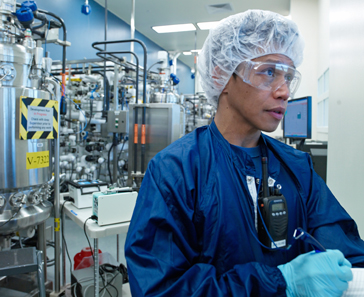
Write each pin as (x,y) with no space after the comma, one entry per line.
(323,52)
(346,121)
(305,14)
(324,36)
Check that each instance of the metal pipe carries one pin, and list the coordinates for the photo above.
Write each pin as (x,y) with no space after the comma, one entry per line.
(64,275)
(106,94)
(116,81)
(199,107)
(115,164)
(40,274)
(144,62)
(174,67)
(195,53)
(195,67)
(105,32)
(184,120)
(57,235)
(96,267)
(106,101)
(69,103)
(136,137)
(64,37)
(42,246)
(137,66)
(96,68)
(64,46)
(142,169)
(132,27)
(117,248)
(144,90)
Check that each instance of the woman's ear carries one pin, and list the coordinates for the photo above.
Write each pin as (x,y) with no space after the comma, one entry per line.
(221,79)
(219,76)
(226,88)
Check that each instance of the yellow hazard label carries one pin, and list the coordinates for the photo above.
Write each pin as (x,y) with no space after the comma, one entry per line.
(38,118)
(37,160)
(56,224)
(75,79)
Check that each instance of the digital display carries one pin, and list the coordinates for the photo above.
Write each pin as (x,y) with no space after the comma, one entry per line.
(297,119)
(277,206)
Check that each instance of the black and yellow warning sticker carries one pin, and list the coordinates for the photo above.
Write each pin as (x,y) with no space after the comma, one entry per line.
(38,118)
(57,224)
(37,160)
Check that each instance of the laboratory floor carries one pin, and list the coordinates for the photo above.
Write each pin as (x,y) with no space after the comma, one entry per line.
(76,241)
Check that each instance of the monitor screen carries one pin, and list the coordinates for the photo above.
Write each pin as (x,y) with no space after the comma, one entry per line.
(297,120)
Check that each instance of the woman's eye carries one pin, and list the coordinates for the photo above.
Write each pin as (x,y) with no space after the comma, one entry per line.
(267,71)
(270,72)
(289,77)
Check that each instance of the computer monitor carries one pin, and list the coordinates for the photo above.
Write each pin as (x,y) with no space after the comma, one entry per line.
(297,122)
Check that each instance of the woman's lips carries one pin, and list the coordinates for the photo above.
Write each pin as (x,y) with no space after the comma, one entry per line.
(277,113)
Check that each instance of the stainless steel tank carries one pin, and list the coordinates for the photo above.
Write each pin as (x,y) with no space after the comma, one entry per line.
(24,188)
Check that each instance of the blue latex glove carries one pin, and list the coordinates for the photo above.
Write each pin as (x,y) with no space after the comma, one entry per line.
(317,274)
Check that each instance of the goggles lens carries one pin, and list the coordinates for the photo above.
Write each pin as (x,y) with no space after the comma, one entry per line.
(269,76)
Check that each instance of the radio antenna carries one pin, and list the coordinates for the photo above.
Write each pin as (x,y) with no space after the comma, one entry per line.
(265,177)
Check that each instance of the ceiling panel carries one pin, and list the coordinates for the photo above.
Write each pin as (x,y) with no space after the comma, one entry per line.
(150,13)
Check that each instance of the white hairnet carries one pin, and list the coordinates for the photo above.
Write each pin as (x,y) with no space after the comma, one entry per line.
(246,35)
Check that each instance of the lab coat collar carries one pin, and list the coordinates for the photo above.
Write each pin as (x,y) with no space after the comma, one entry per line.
(241,159)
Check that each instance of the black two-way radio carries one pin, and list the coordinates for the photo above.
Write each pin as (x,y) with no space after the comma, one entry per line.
(273,214)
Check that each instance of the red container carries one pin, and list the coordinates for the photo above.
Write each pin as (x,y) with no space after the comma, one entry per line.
(85,252)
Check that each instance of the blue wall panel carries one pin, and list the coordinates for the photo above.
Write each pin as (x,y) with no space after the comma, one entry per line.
(83,30)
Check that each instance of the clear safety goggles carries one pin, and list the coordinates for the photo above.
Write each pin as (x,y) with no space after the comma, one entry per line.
(269,76)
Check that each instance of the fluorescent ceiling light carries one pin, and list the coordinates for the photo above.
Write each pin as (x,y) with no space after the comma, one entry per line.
(207,25)
(174,28)
(192,52)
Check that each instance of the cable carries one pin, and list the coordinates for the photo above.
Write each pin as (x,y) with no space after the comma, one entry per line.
(109,283)
(82,280)
(84,230)
(38,26)
(104,282)
(121,150)
(124,271)
(108,162)
(64,240)
(92,252)
(78,107)
(11,217)
(51,244)
(253,232)
(51,261)
(55,78)
(119,169)
(159,62)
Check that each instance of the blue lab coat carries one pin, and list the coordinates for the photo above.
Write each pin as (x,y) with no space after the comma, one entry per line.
(193,228)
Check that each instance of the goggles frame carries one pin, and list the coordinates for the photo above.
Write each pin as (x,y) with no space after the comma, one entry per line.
(269,75)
